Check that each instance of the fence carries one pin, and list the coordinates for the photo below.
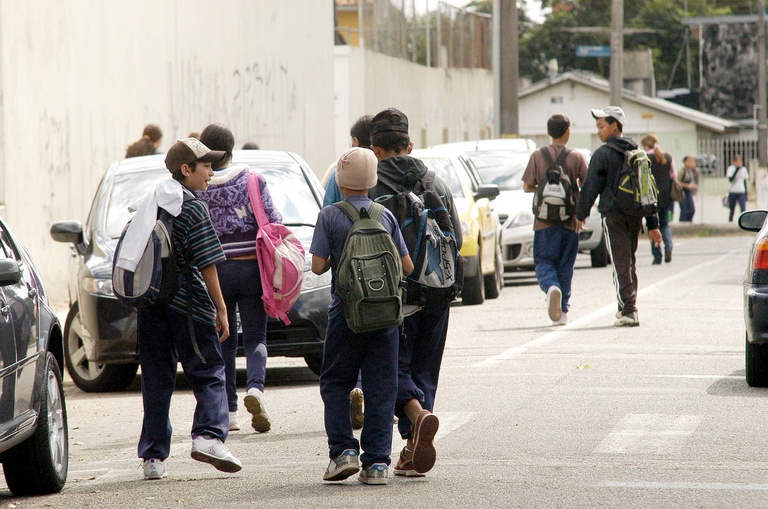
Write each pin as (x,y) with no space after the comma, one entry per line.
(715,154)
(447,36)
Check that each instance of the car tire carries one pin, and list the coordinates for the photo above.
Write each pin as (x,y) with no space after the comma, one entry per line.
(39,465)
(757,364)
(474,287)
(599,255)
(495,282)
(314,362)
(87,375)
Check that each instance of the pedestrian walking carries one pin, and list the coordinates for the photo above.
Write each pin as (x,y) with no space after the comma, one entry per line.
(239,275)
(167,334)
(148,144)
(664,172)
(346,354)
(556,242)
(689,180)
(620,229)
(424,329)
(737,175)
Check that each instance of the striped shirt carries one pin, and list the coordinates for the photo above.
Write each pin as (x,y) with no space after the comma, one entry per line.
(195,241)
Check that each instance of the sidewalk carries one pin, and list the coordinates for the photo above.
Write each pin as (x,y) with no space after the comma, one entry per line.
(710,219)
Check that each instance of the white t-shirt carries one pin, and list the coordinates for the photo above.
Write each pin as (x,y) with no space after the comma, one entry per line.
(738,184)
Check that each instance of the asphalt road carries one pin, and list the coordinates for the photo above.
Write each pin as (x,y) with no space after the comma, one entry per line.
(581,416)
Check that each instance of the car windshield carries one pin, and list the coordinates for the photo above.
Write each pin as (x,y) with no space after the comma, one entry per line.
(501,167)
(443,168)
(290,191)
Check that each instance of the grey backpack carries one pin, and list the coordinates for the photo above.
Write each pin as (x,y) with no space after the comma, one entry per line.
(369,276)
(554,201)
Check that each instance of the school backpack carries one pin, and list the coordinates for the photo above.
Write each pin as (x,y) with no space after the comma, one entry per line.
(281,258)
(554,201)
(427,229)
(636,192)
(156,277)
(369,274)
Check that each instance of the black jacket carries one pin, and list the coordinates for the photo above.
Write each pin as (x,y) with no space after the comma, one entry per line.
(395,169)
(602,179)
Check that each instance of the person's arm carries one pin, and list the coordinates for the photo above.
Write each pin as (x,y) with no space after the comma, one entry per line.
(211,278)
(321,265)
(407,264)
(528,188)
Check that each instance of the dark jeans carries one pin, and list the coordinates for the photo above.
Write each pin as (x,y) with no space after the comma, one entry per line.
(374,356)
(733,199)
(621,234)
(666,233)
(554,253)
(164,341)
(687,206)
(420,357)
(241,286)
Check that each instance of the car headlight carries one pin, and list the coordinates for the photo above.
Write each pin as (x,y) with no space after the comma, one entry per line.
(101,287)
(521,219)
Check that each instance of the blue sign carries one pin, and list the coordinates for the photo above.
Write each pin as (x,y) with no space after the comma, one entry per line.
(593,51)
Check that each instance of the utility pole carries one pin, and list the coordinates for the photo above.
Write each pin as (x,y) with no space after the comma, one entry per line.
(762,123)
(617,51)
(508,68)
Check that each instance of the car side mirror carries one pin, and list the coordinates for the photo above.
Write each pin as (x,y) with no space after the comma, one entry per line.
(489,191)
(10,273)
(752,220)
(68,231)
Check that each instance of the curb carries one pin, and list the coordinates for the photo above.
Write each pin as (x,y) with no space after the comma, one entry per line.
(708,230)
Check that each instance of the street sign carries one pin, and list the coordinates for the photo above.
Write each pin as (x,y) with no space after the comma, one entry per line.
(593,51)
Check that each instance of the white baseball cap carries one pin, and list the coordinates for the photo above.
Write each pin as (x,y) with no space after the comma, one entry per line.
(611,111)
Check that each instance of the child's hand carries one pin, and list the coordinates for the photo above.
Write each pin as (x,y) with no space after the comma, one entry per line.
(222,325)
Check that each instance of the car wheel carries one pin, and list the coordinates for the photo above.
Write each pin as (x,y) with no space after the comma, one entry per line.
(599,255)
(90,376)
(495,282)
(757,364)
(314,362)
(39,465)
(474,287)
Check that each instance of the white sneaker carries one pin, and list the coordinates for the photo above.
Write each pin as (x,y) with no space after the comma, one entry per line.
(627,320)
(234,421)
(562,321)
(342,466)
(254,402)
(213,451)
(554,303)
(154,468)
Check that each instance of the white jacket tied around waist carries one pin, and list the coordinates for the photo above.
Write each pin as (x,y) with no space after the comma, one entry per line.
(168,195)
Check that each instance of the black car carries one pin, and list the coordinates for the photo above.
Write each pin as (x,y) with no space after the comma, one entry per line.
(756,298)
(100,333)
(34,446)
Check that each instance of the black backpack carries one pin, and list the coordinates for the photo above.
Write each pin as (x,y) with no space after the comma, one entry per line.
(438,274)
(554,201)
(636,193)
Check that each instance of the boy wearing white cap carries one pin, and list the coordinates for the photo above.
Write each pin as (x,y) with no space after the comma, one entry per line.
(621,231)
(167,334)
(374,354)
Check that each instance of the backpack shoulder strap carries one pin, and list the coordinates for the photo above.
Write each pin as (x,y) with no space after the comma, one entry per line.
(547,157)
(349,210)
(563,156)
(376,210)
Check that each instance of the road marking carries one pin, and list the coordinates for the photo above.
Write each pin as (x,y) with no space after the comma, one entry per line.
(649,434)
(609,309)
(683,485)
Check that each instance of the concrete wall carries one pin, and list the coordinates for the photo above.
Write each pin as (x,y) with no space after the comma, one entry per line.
(81,78)
(442,105)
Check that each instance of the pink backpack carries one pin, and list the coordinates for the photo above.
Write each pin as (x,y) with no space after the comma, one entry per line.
(281,258)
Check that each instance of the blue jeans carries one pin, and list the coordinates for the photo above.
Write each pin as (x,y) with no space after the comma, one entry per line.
(421,354)
(554,253)
(164,341)
(241,286)
(733,199)
(374,356)
(687,206)
(666,234)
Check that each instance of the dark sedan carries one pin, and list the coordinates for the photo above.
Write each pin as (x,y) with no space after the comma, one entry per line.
(756,299)
(100,333)
(34,446)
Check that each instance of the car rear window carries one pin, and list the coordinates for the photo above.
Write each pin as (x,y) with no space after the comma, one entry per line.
(444,169)
(503,168)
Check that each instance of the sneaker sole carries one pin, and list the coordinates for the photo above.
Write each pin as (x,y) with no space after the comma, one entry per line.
(234,427)
(424,453)
(407,473)
(259,421)
(155,477)
(220,464)
(342,474)
(372,481)
(356,410)
(555,305)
